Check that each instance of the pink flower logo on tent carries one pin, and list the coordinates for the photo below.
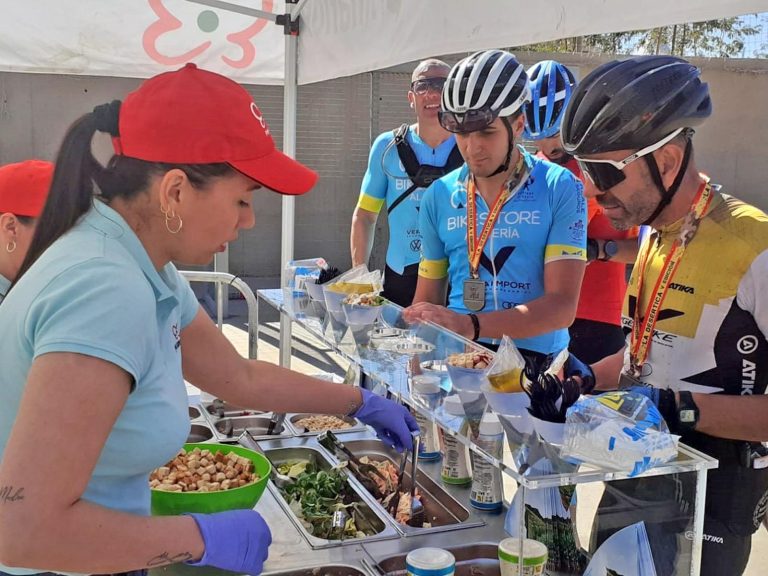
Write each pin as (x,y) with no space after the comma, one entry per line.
(207,22)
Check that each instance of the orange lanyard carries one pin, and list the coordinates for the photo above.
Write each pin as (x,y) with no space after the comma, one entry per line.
(476,245)
(643,326)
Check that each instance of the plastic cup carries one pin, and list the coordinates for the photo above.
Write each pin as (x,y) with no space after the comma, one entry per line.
(534,557)
(430,562)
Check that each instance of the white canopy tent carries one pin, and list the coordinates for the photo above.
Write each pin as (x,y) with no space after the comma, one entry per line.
(322,39)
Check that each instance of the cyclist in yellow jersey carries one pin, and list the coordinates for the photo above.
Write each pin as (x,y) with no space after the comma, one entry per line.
(696,310)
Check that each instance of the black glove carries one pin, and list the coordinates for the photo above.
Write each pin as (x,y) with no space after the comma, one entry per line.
(575,367)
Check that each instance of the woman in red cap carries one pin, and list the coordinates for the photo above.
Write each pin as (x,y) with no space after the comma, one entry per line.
(23,190)
(100,331)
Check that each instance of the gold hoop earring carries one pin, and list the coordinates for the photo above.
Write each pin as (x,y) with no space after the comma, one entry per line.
(11,246)
(169,218)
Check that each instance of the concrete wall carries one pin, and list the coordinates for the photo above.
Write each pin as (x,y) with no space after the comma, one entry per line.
(338,119)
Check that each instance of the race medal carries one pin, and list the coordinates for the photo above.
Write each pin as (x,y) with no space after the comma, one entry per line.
(627,380)
(474,286)
(474,294)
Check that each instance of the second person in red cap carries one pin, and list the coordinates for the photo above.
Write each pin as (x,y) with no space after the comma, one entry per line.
(23,190)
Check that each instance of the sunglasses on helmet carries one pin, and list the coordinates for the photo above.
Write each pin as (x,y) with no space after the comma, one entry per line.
(605,174)
(469,121)
(424,85)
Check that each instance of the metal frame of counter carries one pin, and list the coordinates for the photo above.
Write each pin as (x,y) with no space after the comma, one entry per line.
(393,377)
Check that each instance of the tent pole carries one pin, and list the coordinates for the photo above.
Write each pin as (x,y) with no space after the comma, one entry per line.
(290,91)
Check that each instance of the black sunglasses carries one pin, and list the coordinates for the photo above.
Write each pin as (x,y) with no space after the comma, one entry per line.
(606,174)
(424,85)
(603,176)
(469,121)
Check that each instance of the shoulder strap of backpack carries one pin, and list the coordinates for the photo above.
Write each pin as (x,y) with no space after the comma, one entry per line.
(407,156)
(455,159)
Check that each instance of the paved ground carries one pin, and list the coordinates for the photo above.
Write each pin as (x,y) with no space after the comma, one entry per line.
(310,356)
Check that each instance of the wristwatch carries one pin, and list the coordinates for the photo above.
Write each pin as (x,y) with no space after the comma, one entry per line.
(593,249)
(610,248)
(687,411)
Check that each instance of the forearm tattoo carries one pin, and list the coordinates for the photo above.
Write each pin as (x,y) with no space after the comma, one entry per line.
(11,494)
(166,558)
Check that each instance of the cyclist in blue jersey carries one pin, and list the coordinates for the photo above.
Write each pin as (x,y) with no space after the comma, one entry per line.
(507,231)
(390,181)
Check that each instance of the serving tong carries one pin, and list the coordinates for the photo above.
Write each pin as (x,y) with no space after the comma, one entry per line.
(362,470)
(417,508)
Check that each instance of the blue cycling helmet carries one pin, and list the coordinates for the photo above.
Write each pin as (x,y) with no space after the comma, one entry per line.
(551,87)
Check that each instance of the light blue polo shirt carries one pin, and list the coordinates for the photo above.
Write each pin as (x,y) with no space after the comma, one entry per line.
(4,285)
(96,292)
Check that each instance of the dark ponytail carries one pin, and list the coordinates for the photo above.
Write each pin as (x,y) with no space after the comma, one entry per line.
(71,190)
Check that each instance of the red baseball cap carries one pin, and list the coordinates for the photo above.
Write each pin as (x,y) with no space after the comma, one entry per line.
(24,187)
(193,116)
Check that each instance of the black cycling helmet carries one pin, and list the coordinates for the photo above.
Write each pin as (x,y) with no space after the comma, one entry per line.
(636,104)
(630,104)
(480,88)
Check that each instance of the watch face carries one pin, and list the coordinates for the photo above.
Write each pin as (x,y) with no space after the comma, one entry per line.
(610,248)
(687,416)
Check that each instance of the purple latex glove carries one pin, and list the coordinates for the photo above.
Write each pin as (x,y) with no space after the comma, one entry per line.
(236,540)
(392,421)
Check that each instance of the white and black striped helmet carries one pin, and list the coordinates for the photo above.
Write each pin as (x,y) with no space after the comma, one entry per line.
(481,88)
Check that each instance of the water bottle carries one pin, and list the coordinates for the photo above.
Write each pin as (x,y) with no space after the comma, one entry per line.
(486,491)
(455,469)
(425,392)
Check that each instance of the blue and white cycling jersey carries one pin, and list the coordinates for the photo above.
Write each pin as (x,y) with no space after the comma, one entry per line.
(387,183)
(544,220)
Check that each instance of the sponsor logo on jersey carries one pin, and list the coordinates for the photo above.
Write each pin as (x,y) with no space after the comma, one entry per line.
(498,261)
(689,535)
(748,372)
(578,230)
(747,345)
(510,218)
(681,288)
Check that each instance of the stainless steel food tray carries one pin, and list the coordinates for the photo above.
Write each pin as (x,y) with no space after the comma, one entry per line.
(442,510)
(292,419)
(280,451)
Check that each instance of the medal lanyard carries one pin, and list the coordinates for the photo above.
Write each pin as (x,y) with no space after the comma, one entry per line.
(475,245)
(643,327)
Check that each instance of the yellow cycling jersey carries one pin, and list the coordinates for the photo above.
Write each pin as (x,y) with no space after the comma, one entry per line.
(710,335)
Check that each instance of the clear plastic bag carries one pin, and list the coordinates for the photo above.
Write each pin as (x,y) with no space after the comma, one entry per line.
(619,431)
(357,280)
(506,371)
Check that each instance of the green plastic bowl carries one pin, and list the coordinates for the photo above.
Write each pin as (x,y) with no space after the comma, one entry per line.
(245,497)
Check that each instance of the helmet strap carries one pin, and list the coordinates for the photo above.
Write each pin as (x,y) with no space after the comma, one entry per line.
(666,194)
(510,146)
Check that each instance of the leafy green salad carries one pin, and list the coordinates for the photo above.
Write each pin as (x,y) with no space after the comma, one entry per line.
(314,496)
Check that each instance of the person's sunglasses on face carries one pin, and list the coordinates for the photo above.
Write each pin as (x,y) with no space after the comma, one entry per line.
(605,174)
(424,85)
(470,121)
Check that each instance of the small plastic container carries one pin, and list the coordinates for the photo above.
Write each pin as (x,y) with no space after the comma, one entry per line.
(455,469)
(425,391)
(534,558)
(486,491)
(430,562)
(298,273)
